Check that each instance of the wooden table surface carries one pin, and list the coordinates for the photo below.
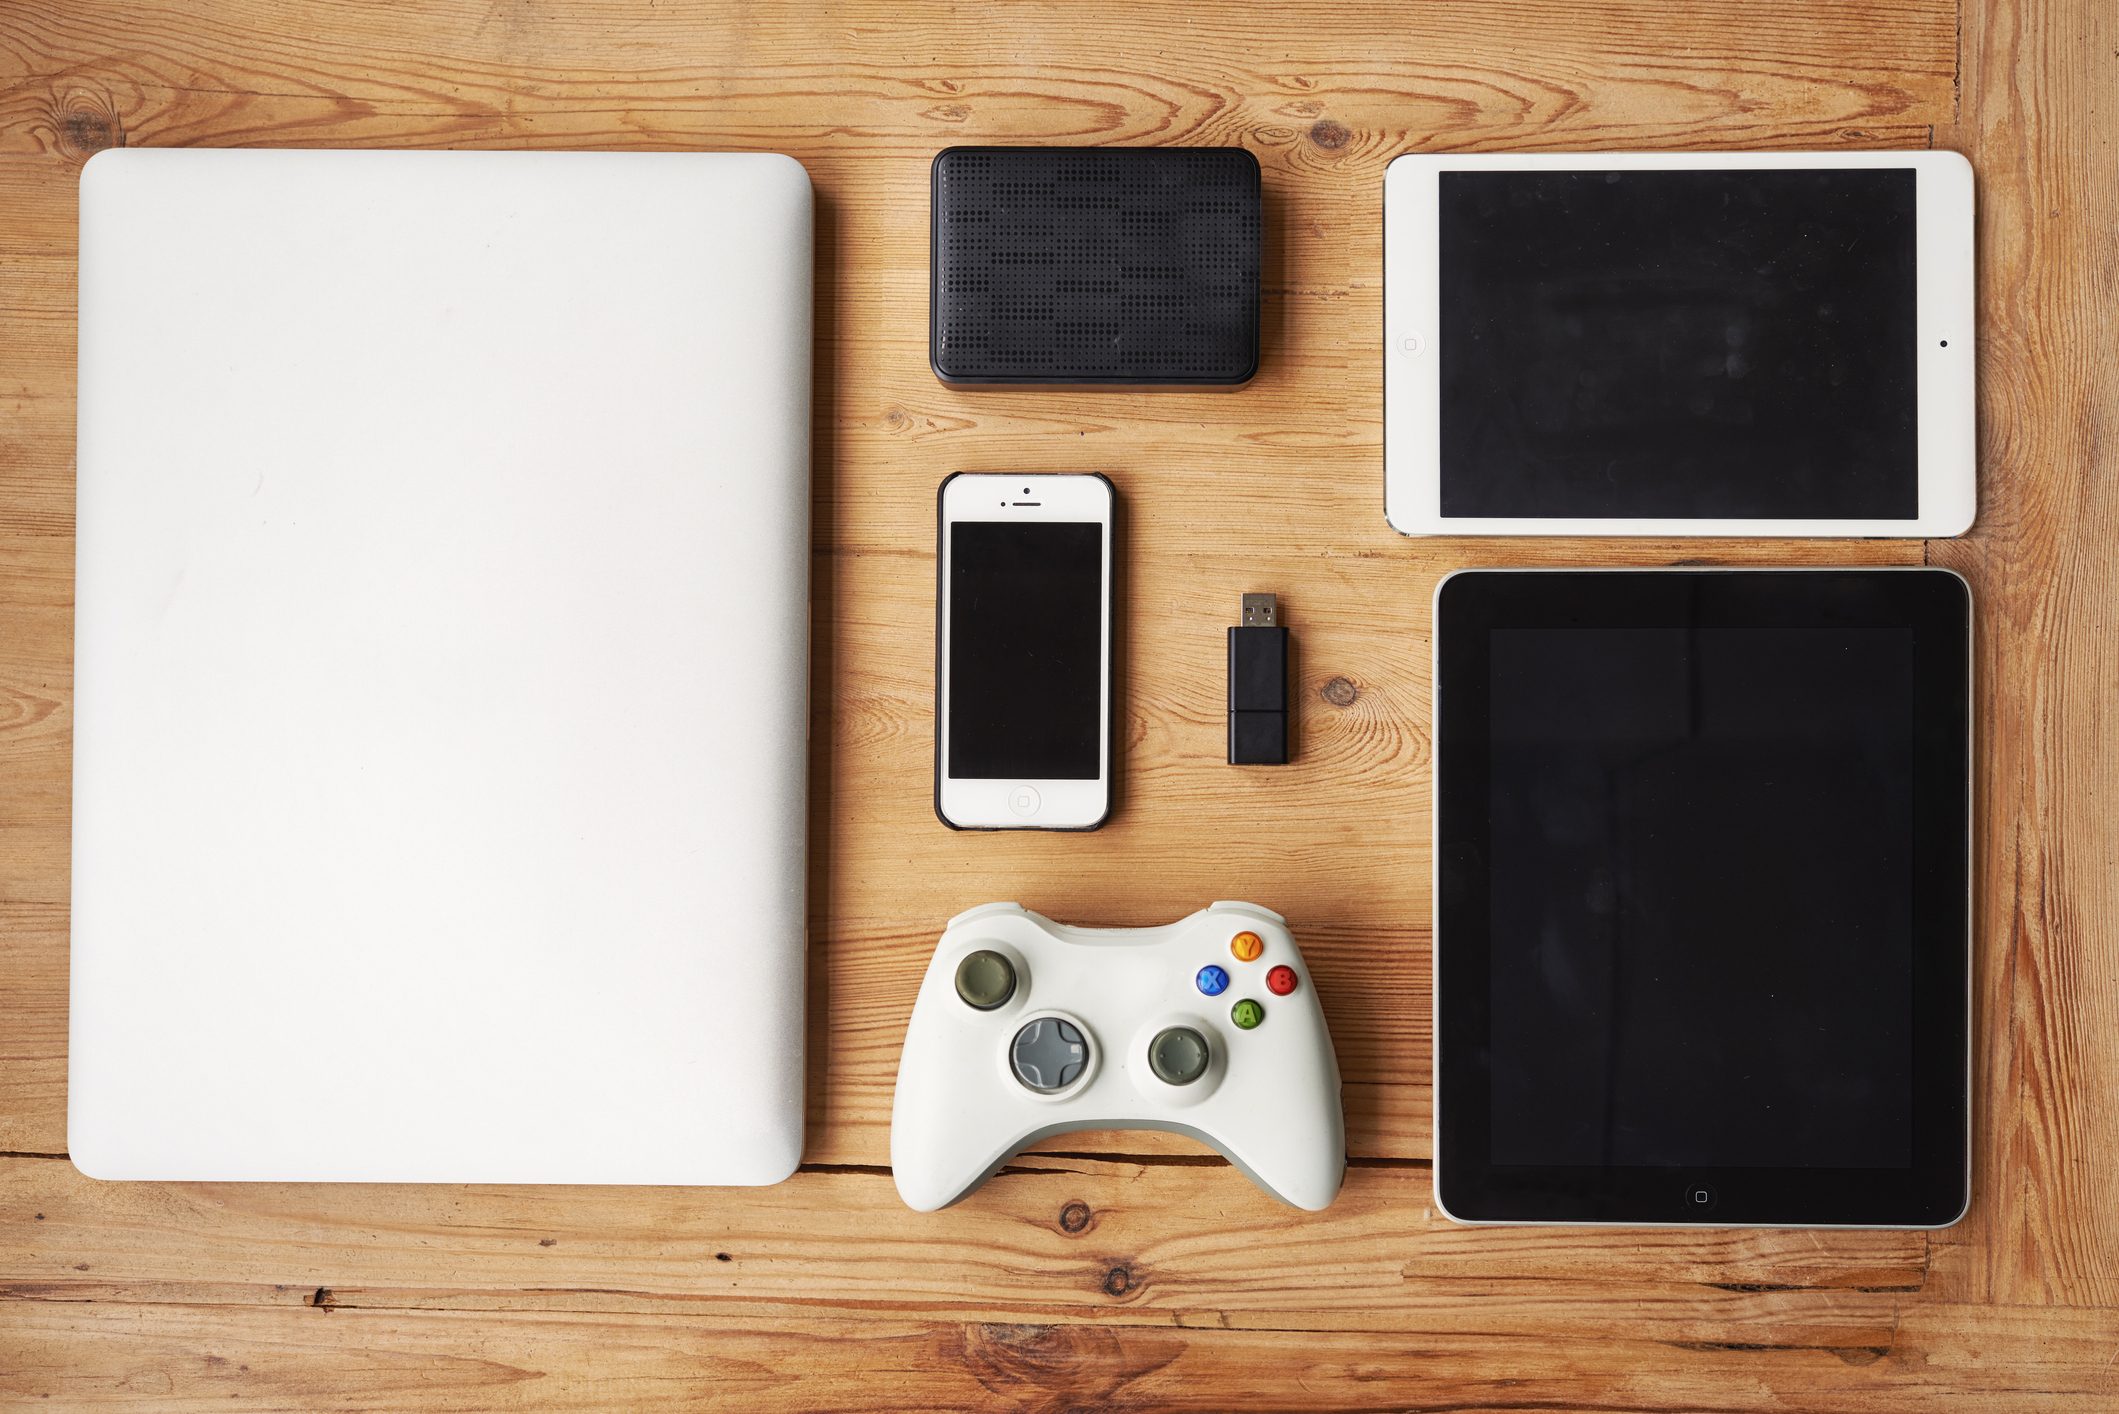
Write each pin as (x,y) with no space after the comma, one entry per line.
(1122,1270)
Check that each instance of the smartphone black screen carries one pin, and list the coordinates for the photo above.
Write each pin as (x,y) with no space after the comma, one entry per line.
(1025,649)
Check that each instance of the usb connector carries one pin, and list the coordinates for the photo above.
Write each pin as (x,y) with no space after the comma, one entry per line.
(1258,684)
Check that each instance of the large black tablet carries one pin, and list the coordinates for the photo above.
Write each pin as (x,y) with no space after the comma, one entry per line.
(1702,896)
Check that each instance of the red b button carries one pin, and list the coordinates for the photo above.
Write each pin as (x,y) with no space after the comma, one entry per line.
(1280,981)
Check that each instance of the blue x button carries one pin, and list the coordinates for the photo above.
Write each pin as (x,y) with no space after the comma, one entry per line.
(1213,980)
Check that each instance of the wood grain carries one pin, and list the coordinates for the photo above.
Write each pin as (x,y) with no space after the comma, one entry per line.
(1120,1271)
(2040,120)
(164,1356)
(1054,1238)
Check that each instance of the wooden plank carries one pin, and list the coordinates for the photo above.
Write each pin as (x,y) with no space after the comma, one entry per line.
(1340,845)
(910,77)
(177,1357)
(2044,134)
(1052,1239)
(1337,843)
(1162,1281)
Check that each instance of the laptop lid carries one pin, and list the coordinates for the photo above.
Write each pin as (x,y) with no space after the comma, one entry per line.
(441,667)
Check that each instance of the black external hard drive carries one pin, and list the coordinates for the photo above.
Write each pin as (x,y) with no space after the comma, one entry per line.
(1092,266)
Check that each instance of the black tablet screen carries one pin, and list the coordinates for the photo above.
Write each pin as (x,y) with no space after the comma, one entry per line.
(1678,344)
(1702,895)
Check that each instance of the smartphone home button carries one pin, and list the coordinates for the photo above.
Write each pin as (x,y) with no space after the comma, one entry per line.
(1025,801)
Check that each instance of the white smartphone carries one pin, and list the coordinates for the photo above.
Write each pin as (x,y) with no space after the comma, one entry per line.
(1023,650)
(1679,343)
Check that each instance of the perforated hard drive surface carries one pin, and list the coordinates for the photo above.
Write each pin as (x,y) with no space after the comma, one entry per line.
(1095,265)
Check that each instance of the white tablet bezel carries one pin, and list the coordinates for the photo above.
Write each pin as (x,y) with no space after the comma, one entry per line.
(1412,488)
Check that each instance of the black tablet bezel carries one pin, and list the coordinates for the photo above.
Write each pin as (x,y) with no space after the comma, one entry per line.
(1936,606)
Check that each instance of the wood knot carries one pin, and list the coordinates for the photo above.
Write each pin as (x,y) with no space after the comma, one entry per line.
(1117,1282)
(1017,1337)
(1340,692)
(322,1299)
(1329,135)
(1077,1366)
(1075,1217)
(1025,1357)
(86,124)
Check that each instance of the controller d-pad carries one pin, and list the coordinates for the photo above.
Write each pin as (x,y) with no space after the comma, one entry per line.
(1048,1054)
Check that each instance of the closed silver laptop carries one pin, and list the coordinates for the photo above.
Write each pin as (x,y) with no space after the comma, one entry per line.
(441,667)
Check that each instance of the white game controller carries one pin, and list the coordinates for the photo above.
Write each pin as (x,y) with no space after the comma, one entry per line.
(1208,1027)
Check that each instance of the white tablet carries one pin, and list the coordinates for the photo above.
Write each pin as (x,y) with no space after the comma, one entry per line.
(1759,343)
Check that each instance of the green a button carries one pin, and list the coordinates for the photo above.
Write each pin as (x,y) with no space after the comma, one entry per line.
(1247,1014)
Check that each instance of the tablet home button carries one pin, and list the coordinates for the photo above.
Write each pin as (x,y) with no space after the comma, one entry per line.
(1024,801)
(1699,1197)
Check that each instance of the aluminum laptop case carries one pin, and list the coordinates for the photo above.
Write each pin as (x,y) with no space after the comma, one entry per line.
(441,667)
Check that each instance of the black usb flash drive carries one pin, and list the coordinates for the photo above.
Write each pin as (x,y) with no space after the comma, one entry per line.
(1258,685)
